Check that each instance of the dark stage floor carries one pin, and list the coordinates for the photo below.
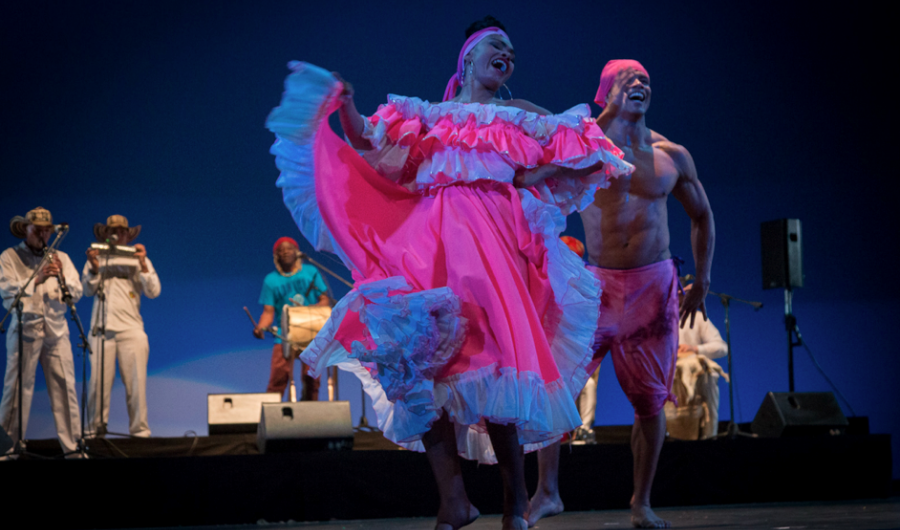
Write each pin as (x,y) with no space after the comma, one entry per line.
(877,514)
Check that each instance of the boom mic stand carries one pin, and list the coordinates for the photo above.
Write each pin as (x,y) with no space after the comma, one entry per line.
(363,422)
(85,351)
(732,432)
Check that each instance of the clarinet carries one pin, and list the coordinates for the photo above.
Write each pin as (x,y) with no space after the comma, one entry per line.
(61,278)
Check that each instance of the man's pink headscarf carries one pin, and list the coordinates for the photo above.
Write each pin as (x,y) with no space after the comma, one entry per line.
(471,42)
(608,75)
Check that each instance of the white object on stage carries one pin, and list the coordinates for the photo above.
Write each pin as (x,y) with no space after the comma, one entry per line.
(305,426)
(236,413)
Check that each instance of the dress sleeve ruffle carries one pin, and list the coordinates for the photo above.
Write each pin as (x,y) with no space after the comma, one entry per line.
(391,137)
(579,148)
(307,92)
(517,138)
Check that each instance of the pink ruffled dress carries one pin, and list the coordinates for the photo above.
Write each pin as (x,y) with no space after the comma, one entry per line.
(465,300)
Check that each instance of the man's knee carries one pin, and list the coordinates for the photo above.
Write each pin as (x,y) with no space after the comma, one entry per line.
(647,406)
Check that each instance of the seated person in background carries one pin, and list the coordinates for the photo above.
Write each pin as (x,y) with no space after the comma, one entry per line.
(696,382)
(587,399)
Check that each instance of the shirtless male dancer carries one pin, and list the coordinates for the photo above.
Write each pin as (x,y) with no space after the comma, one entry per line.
(627,236)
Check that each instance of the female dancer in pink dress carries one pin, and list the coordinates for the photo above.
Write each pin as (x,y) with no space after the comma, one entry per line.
(470,323)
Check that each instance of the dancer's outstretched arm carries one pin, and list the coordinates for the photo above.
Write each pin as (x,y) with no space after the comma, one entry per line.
(352,121)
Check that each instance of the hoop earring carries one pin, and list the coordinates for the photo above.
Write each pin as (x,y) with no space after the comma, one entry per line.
(508,91)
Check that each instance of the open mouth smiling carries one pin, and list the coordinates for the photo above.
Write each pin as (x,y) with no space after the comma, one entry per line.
(637,96)
(500,64)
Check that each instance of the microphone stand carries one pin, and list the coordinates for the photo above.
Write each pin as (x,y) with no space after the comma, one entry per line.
(100,329)
(732,432)
(363,421)
(85,352)
(19,306)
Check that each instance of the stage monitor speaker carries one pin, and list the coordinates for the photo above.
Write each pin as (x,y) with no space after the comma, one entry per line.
(236,413)
(782,254)
(305,426)
(799,414)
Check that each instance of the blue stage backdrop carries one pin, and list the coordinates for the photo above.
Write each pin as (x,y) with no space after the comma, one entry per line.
(155,110)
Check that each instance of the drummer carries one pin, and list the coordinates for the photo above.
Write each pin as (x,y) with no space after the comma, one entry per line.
(291,283)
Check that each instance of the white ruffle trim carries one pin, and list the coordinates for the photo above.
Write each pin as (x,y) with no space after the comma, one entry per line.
(540,127)
(575,290)
(455,164)
(415,334)
(308,93)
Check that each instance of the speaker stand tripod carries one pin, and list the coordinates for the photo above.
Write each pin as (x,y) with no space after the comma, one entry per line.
(790,325)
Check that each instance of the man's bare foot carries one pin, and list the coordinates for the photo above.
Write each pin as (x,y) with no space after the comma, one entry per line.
(448,521)
(514,522)
(544,505)
(643,517)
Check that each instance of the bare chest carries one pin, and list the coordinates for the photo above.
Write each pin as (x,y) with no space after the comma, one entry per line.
(654,176)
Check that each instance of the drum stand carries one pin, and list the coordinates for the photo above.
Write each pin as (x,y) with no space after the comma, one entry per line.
(332,372)
(363,422)
(732,431)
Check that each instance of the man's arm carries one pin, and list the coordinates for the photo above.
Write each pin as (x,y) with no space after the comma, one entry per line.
(318,284)
(352,122)
(692,196)
(149,279)
(90,276)
(265,321)
(711,343)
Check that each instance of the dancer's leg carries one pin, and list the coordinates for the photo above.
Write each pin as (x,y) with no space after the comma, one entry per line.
(646,443)
(440,447)
(546,501)
(511,459)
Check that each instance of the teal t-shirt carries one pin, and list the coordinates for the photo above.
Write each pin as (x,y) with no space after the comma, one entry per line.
(278,290)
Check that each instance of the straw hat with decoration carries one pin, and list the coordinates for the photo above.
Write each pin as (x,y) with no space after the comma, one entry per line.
(103,231)
(37,217)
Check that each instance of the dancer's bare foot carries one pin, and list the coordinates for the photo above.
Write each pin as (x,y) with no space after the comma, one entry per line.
(450,521)
(543,505)
(643,517)
(514,522)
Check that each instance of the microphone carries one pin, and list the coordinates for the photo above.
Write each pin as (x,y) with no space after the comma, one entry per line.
(113,239)
(61,227)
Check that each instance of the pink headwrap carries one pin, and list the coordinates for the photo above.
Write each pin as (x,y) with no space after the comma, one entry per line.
(471,42)
(608,75)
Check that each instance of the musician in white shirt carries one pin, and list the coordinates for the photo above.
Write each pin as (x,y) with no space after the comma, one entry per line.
(697,381)
(124,279)
(44,329)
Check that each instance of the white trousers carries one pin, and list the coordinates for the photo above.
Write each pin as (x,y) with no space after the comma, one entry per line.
(55,356)
(132,350)
(587,401)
